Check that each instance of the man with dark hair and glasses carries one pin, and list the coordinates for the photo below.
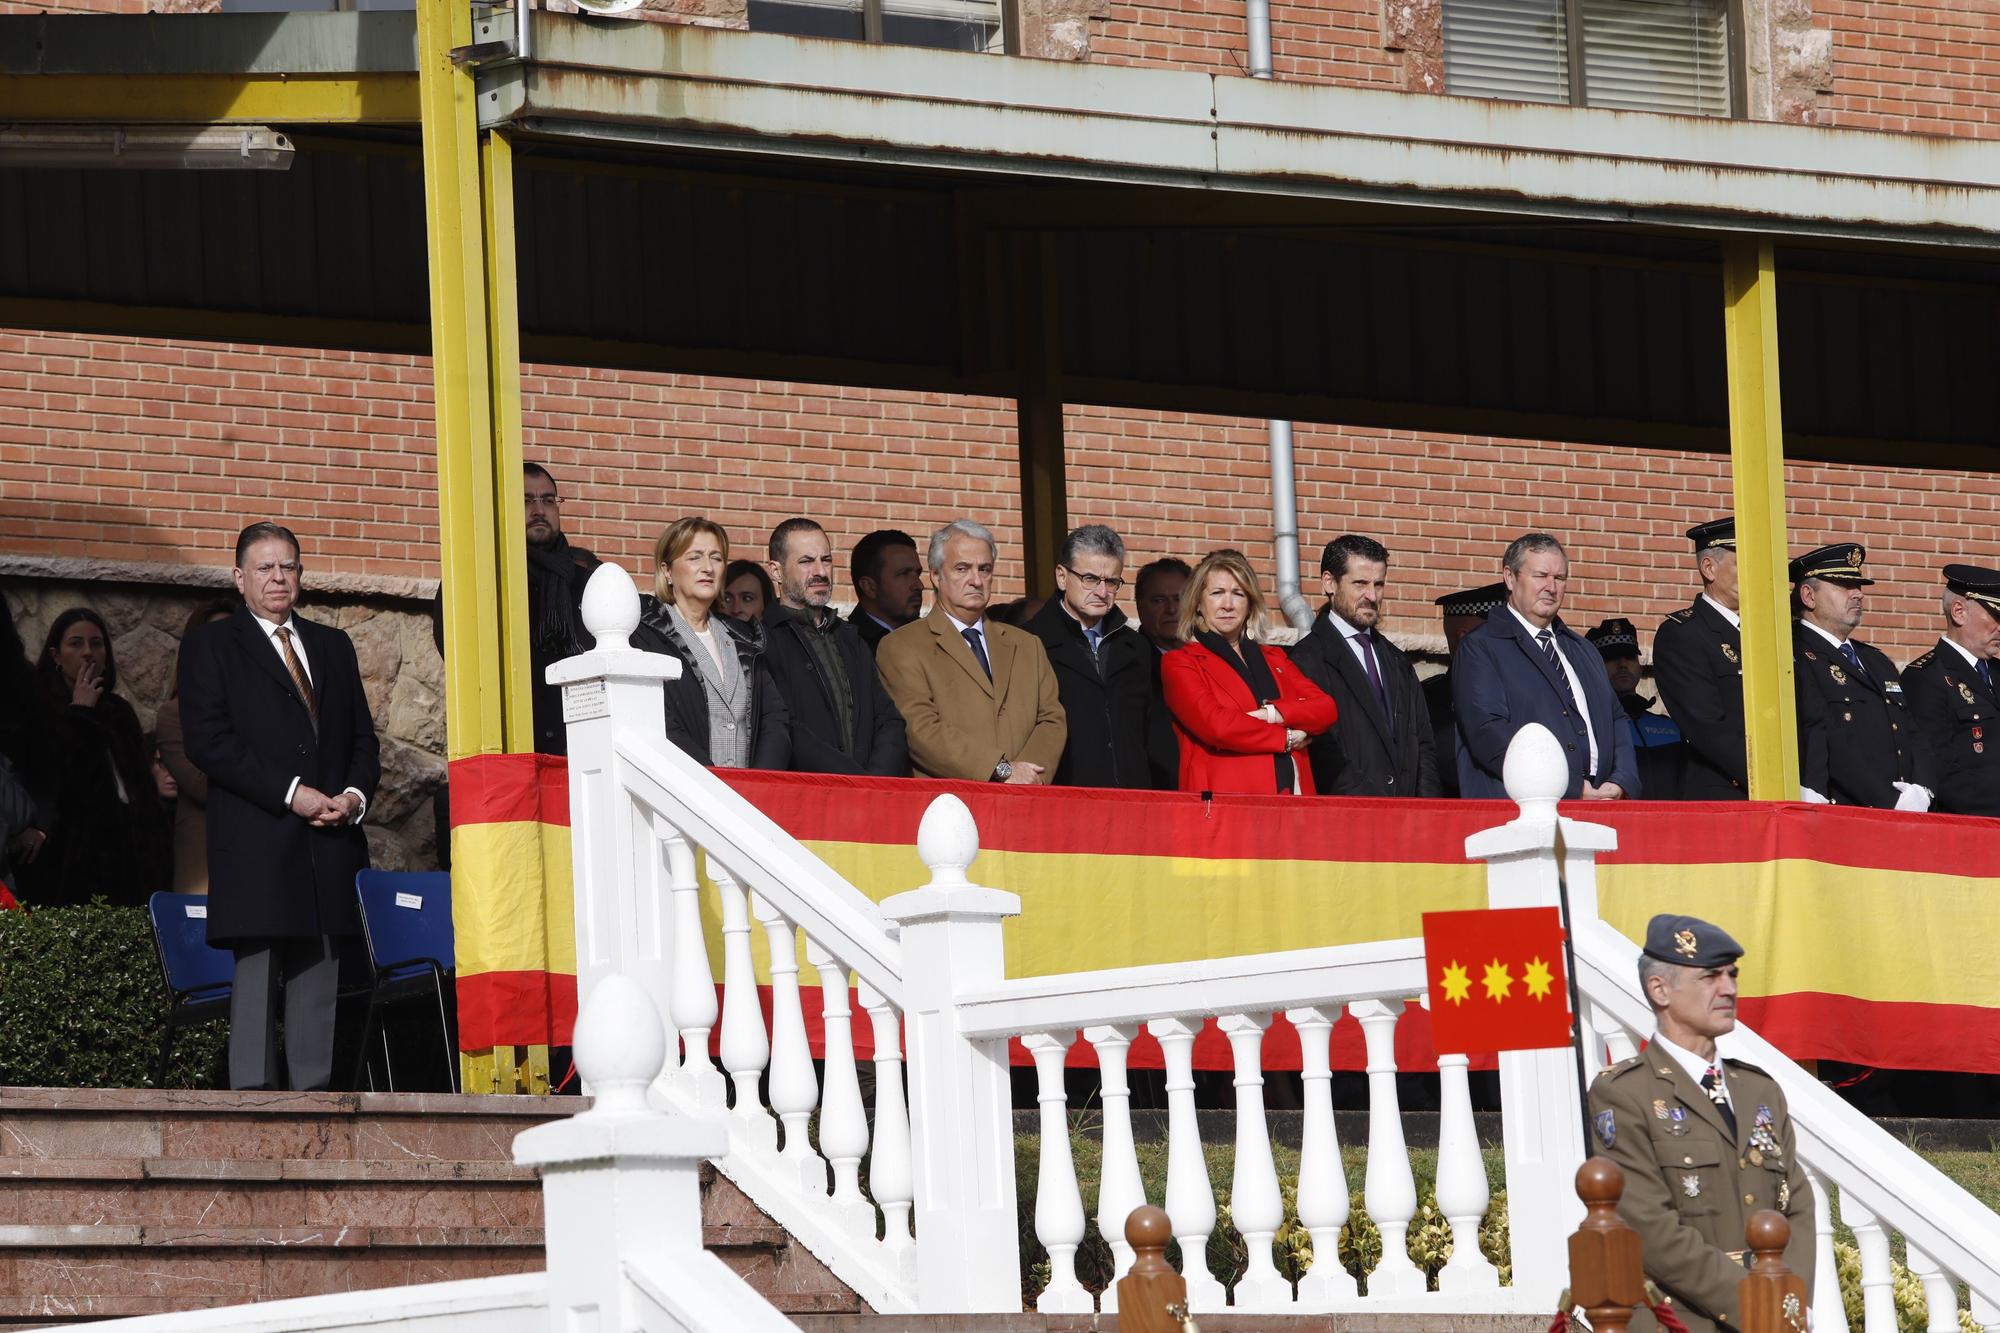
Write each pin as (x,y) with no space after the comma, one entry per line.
(1381,745)
(1101,663)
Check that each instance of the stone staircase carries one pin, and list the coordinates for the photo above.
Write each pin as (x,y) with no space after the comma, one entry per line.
(116,1203)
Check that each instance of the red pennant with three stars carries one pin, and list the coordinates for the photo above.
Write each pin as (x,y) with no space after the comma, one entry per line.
(1496,980)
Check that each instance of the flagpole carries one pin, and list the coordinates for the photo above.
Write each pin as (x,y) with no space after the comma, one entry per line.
(1575,1001)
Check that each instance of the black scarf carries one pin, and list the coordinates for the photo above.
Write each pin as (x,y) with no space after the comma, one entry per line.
(1249,663)
(553,632)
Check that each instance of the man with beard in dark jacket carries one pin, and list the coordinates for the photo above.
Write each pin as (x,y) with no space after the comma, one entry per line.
(557,572)
(1102,665)
(843,721)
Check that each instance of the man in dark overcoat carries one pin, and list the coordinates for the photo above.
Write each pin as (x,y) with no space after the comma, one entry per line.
(273,712)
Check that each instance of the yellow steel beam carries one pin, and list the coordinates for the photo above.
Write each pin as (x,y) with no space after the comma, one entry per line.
(212,99)
(1757,465)
(503,333)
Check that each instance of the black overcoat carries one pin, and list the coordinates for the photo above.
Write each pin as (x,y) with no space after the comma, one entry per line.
(880,749)
(270,873)
(1109,700)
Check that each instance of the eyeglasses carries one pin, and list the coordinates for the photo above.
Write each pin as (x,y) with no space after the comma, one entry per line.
(290,568)
(1095,582)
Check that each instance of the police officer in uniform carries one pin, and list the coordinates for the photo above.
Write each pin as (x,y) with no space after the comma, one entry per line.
(1849,692)
(1698,662)
(1656,739)
(1463,612)
(1951,694)
(1704,1140)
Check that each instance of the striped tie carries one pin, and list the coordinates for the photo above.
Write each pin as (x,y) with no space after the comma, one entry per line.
(298,670)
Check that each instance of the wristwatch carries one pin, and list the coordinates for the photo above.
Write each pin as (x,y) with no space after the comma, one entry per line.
(1002,771)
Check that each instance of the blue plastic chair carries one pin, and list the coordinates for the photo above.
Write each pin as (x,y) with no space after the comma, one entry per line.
(406,920)
(199,976)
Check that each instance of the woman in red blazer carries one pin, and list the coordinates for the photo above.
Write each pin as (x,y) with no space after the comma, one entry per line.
(1242,711)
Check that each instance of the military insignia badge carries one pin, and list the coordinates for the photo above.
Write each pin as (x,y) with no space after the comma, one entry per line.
(1784,1195)
(1606,1126)
(1659,1108)
(1730,653)
(1965,693)
(1684,943)
(1763,1115)
(1811,656)
(1839,676)
(1691,1186)
(1677,1123)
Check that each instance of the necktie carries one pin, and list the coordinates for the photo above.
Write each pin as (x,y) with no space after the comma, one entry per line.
(1547,638)
(298,670)
(1854,660)
(1711,1083)
(1095,637)
(1986,674)
(1367,638)
(975,641)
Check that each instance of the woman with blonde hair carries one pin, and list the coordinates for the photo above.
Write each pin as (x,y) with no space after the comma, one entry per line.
(725,710)
(1242,711)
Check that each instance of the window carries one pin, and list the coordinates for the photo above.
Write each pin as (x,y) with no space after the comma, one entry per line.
(1635,55)
(951,25)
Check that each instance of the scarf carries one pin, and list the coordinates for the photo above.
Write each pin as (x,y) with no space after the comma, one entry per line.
(554,631)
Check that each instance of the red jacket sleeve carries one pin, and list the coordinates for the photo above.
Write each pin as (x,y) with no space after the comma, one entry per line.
(1304,704)
(1216,721)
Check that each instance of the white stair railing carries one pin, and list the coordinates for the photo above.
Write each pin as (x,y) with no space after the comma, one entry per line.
(936,1229)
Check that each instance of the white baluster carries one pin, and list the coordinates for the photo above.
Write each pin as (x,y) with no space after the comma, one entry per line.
(843,1120)
(745,1047)
(1878,1282)
(1058,1203)
(1985,1312)
(1254,1202)
(1829,1313)
(1323,1202)
(1190,1196)
(1462,1193)
(1119,1187)
(693,982)
(1940,1292)
(1617,1041)
(889,1167)
(1389,1191)
(794,1092)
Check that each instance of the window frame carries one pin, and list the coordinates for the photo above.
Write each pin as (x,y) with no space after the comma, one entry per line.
(1737,55)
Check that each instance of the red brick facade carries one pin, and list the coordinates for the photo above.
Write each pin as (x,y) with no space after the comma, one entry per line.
(130,449)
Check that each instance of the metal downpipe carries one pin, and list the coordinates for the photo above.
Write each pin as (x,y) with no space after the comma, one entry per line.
(1284,483)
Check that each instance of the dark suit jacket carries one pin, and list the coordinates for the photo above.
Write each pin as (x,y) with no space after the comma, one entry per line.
(1870,739)
(871,633)
(879,748)
(1360,755)
(1698,662)
(1501,681)
(270,873)
(1108,699)
(1955,715)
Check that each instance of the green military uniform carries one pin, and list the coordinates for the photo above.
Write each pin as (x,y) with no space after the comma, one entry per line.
(1690,1184)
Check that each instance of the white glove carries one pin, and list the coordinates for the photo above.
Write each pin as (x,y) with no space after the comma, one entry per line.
(1913,797)
(1811,797)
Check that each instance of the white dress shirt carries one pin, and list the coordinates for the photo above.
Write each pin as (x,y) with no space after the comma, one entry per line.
(1728,615)
(291,627)
(1576,693)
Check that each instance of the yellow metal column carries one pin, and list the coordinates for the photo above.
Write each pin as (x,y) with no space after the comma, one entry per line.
(1757,466)
(468,206)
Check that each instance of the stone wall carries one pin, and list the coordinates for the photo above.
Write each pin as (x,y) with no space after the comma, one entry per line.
(147,606)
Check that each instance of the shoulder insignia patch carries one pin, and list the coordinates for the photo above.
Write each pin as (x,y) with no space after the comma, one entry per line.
(1686,613)
(1606,1126)
(1925,660)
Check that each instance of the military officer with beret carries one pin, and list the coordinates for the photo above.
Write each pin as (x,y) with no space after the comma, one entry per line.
(1951,694)
(1704,1140)
(1656,738)
(1849,691)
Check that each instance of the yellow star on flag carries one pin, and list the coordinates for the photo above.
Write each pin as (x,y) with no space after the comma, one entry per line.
(1457,984)
(1538,979)
(1498,981)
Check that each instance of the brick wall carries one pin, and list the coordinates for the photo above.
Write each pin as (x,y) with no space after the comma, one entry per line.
(137,450)
(1930,68)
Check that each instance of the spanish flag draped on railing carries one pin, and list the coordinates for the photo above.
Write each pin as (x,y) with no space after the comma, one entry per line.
(1871,936)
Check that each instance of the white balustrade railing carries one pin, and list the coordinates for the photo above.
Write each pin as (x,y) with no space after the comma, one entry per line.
(914,1205)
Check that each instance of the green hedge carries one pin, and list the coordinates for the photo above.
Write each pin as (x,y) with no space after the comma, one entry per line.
(82,1004)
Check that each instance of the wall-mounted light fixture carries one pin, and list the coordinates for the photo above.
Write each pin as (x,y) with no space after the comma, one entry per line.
(145,147)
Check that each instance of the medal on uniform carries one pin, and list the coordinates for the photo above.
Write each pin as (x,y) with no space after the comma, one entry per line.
(1691,1186)
(1966,693)
(1756,1157)
(1839,676)
(1784,1195)
(1729,653)
(1677,1122)
(1659,1108)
